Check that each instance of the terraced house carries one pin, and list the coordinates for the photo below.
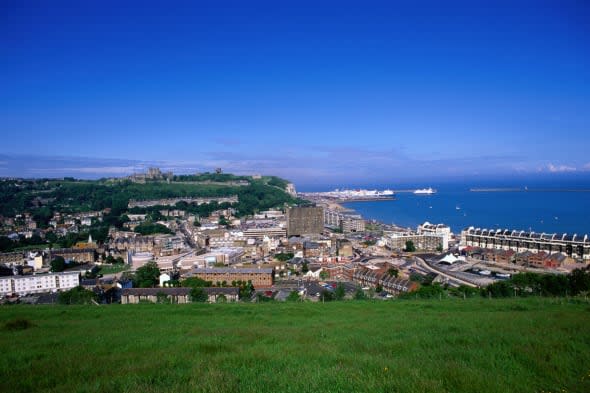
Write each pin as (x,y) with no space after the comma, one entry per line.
(574,246)
(368,277)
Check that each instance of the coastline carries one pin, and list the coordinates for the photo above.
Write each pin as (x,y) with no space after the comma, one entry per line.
(337,204)
(338,207)
(391,225)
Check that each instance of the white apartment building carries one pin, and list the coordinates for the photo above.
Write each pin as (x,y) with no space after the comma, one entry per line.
(422,242)
(436,229)
(38,283)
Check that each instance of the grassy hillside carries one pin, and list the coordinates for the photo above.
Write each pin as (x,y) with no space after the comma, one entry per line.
(478,345)
(83,195)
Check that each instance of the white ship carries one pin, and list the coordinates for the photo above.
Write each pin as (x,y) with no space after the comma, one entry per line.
(425,191)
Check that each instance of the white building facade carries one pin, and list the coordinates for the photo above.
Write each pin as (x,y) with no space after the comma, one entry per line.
(38,283)
(436,229)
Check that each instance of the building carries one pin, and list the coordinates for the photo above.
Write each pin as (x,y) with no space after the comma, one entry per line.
(139,259)
(311,249)
(216,294)
(422,242)
(39,283)
(314,273)
(352,224)
(372,276)
(332,218)
(368,276)
(346,222)
(573,246)
(164,278)
(173,201)
(260,233)
(227,255)
(259,277)
(74,254)
(436,229)
(155,295)
(397,286)
(305,220)
(269,214)
(35,259)
(16,257)
(344,247)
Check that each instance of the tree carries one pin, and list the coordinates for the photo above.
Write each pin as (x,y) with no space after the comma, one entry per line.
(579,280)
(162,298)
(198,295)
(283,257)
(110,260)
(339,292)
(393,272)
(326,296)
(324,275)
(379,288)
(304,267)
(439,248)
(6,244)
(465,291)
(293,297)
(433,291)
(147,276)
(93,273)
(498,289)
(359,294)
(262,298)
(51,237)
(77,295)
(221,298)
(223,221)
(410,246)
(58,264)
(149,228)
(246,289)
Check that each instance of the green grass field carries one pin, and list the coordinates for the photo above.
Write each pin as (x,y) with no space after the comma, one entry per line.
(477,345)
(111,269)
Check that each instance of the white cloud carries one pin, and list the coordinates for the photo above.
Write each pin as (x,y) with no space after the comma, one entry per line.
(120,170)
(586,167)
(560,168)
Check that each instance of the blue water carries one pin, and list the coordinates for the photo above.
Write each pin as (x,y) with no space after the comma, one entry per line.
(456,206)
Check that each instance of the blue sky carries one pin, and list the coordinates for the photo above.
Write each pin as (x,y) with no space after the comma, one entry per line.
(362,92)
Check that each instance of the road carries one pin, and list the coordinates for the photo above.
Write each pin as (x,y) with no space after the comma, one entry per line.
(426,266)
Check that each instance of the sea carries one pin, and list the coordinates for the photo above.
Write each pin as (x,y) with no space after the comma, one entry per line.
(547,207)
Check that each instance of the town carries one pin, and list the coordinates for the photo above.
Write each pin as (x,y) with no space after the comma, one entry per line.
(162,249)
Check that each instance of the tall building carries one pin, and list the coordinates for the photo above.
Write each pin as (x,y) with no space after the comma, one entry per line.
(305,220)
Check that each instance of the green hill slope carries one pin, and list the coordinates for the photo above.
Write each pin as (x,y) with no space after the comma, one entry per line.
(43,197)
(479,345)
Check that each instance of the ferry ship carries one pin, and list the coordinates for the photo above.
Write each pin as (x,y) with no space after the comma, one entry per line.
(425,191)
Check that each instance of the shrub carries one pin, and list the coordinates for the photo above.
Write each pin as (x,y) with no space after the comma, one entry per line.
(18,324)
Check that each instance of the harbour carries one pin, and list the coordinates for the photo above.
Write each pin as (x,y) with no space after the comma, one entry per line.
(459,207)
